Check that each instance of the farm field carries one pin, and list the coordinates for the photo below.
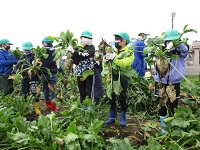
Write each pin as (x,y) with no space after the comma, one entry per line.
(76,127)
(81,126)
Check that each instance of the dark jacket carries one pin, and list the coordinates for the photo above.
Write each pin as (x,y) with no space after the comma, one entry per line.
(7,60)
(79,56)
(98,86)
(83,60)
(24,62)
(49,63)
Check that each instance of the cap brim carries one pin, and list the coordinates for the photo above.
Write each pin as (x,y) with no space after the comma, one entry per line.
(171,38)
(143,33)
(116,35)
(10,44)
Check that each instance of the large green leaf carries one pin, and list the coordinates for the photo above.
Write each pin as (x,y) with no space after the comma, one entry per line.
(180,122)
(153,144)
(72,129)
(109,90)
(117,87)
(96,126)
(197,144)
(173,145)
(19,137)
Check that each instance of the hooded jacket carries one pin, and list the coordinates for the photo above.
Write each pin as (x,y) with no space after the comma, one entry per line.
(7,60)
(173,76)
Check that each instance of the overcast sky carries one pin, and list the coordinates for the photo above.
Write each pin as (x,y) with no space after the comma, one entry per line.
(32,20)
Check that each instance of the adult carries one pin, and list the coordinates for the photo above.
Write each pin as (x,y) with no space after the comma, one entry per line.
(7,60)
(139,63)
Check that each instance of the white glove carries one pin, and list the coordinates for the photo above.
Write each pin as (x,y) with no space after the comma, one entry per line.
(110,56)
(170,46)
(70,48)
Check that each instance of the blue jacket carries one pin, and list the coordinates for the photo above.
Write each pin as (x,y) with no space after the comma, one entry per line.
(138,62)
(7,60)
(173,76)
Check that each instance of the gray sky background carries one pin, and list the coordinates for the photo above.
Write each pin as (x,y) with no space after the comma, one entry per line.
(32,20)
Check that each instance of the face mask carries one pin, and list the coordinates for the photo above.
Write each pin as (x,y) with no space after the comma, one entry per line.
(86,41)
(145,37)
(27,53)
(169,45)
(117,45)
(7,47)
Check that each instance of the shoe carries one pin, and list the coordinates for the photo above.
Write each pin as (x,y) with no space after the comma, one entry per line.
(54,107)
(113,116)
(163,123)
(123,118)
(48,104)
(36,108)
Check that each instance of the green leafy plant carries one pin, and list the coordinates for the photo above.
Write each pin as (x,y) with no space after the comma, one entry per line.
(40,53)
(158,54)
(64,40)
(17,53)
(110,68)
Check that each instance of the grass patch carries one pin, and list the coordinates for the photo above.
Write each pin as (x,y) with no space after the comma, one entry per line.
(192,76)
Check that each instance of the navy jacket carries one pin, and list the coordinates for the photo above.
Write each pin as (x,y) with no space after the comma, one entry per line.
(98,86)
(24,62)
(49,63)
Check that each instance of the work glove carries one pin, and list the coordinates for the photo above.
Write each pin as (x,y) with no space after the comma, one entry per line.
(32,62)
(70,48)
(110,56)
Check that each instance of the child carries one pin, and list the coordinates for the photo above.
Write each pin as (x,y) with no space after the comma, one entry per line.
(30,79)
(173,76)
(49,64)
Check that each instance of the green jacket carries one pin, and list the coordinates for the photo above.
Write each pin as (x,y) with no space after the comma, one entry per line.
(122,61)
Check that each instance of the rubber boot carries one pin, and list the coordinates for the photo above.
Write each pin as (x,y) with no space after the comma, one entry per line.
(54,107)
(123,118)
(113,116)
(163,123)
(36,108)
(48,104)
